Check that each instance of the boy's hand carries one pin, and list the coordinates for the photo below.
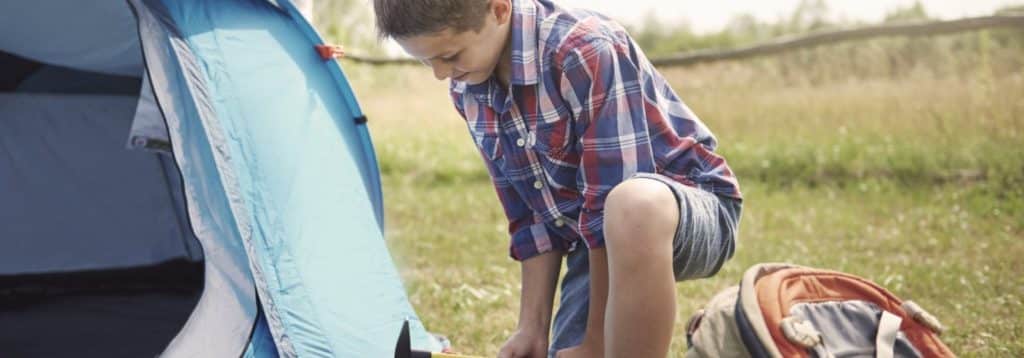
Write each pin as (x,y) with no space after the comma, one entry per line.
(524,344)
(337,51)
(328,52)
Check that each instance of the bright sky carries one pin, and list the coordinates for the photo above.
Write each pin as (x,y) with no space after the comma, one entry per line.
(706,16)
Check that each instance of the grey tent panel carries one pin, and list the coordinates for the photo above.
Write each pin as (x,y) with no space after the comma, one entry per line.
(56,79)
(95,36)
(80,194)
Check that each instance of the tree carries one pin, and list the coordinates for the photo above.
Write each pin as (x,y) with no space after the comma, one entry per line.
(809,15)
(914,12)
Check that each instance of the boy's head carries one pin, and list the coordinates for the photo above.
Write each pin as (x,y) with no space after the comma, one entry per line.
(459,39)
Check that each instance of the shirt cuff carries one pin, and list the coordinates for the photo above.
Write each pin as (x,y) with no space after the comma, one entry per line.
(534,240)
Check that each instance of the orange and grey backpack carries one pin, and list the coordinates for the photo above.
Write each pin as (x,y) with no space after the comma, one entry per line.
(783,310)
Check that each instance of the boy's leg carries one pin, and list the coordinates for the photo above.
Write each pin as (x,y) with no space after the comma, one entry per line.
(640,220)
(703,239)
(658,231)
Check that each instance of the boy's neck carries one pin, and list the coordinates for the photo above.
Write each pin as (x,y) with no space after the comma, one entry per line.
(503,71)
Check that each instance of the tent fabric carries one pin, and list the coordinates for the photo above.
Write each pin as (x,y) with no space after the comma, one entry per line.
(271,169)
(98,37)
(278,152)
(133,325)
(149,130)
(16,69)
(56,79)
(78,190)
(130,312)
(294,172)
(224,317)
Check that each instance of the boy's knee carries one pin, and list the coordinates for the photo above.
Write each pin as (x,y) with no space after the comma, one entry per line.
(639,209)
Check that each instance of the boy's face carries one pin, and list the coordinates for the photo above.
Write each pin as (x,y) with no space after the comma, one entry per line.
(469,56)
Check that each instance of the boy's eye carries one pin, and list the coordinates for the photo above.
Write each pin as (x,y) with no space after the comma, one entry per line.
(447,59)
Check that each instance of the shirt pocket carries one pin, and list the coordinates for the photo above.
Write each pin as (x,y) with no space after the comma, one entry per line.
(553,137)
(555,145)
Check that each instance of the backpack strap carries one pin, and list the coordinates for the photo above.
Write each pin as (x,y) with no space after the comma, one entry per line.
(885,339)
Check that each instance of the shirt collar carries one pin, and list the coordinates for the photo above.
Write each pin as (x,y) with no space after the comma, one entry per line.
(483,92)
(525,65)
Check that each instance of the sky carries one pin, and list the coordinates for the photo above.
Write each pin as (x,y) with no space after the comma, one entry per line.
(709,16)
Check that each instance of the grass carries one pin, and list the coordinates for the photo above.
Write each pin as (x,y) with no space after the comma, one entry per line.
(916,183)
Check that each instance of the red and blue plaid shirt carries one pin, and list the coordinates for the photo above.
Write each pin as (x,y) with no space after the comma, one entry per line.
(584,111)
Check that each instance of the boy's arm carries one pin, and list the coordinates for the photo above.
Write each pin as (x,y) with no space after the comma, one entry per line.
(540,254)
(539,276)
(540,273)
(539,251)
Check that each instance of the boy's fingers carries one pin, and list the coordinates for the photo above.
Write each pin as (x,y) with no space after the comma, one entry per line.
(511,353)
(338,51)
(328,52)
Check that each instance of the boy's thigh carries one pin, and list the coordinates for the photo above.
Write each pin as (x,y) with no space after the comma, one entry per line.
(706,234)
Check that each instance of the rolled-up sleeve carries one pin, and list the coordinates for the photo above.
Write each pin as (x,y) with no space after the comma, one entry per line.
(530,235)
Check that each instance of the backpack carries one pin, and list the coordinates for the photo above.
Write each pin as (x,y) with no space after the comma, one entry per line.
(783,310)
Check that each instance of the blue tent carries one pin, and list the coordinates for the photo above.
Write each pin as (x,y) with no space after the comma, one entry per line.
(186,177)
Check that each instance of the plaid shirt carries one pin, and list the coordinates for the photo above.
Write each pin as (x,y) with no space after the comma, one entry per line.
(584,111)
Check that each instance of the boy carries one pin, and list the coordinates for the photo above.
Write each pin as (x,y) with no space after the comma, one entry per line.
(585,142)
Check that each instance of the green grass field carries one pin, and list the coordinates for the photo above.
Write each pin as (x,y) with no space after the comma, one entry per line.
(915,182)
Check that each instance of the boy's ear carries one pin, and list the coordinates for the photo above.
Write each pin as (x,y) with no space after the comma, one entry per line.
(501,10)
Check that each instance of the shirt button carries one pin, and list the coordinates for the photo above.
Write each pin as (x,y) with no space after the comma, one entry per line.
(520,142)
(559,223)
(538,184)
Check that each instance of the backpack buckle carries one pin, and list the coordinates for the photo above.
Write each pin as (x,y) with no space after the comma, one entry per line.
(800,332)
(923,317)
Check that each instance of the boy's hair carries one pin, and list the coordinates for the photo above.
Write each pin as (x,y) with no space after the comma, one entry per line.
(405,18)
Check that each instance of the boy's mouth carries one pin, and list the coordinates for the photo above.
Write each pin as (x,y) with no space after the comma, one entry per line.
(460,77)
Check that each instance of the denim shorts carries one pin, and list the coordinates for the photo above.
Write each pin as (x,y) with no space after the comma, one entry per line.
(705,238)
